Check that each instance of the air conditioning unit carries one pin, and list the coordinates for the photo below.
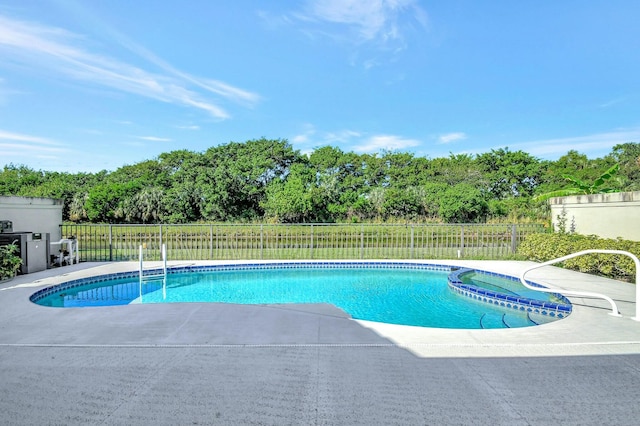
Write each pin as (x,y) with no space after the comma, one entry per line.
(6,226)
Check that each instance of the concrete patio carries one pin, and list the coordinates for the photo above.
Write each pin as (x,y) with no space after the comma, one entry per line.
(311,364)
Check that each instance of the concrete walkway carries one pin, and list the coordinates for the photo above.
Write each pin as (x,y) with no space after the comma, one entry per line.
(311,364)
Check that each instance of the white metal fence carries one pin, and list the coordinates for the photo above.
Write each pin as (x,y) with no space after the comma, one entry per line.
(303,241)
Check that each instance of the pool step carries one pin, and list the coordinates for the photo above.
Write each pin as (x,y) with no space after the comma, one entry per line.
(538,319)
(505,321)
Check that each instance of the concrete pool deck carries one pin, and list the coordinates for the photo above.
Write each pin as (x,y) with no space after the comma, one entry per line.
(311,364)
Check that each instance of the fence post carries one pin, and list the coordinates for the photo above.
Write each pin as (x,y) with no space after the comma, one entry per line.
(160,241)
(261,241)
(411,251)
(514,238)
(461,241)
(361,241)
(210,242)
(311,251)
(110,243)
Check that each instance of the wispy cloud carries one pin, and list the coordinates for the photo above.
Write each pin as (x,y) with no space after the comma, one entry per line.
(91,131)
(341,136)
(351,140)
(154,139)
(451,137)
(7,92)
(612,102)
(386,143)
(5,135)
(305,136)
(370,19)
(58,51)
(379,24)
(189,127)
(3,92)
(21,145)
(214,86)
(274,22)
(596,144)
(311,136)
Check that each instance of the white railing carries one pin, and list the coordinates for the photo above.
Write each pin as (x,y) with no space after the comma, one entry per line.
(164,264)
(73,253)
(614,308)
(301,241)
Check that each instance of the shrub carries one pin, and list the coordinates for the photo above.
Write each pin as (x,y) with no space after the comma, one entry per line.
(9,261)
(545,247)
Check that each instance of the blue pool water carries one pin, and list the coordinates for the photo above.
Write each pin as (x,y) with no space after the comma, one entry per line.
(408,296)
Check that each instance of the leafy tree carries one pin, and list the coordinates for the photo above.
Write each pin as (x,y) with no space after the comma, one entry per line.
(463,203)
(291,200)
(328,166)
(360,209)
(107,202)
(268,179)
(376,199)
(235,177)
(77,211)
(599,185)
(432,196)
(400,169)
(403,203)
(510,173)
(183,203)
(340,180)
(456,169)
(627,155)
(18,180)
(573,164)
(147,205)
(374,171)
(518,209)
(146,173)
(182,196)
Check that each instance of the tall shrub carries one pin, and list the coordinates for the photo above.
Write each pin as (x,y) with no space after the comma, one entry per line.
(545,247)
(9,261)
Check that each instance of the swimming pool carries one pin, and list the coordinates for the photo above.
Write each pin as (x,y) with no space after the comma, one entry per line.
(397,293)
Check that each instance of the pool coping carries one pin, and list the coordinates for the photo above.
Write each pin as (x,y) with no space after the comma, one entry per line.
(516,303)
(587,331)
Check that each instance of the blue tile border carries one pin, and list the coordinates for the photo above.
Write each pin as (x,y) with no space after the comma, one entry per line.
(520,303)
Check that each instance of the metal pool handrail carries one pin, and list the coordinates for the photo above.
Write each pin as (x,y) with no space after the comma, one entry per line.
(614,307)
(164,264)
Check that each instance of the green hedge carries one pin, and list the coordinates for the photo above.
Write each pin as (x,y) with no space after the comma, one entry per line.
(545,247)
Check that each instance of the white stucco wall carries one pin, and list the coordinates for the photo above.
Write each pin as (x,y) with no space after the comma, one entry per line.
(615,215)
(30,214)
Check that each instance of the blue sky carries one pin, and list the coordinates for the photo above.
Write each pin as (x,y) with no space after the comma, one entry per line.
(87,86)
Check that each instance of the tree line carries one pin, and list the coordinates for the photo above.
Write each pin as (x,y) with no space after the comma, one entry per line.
(268,180)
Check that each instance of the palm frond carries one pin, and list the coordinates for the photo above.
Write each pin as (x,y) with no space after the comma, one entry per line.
(558,193)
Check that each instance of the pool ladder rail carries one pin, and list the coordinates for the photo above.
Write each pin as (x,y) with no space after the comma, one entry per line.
(614,308)
(152,274)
